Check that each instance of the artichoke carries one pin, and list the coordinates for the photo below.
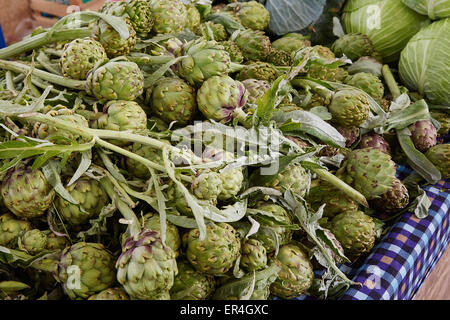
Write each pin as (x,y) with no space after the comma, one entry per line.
(252,14)
(216,254)
(439,155)
(355,231)
(11,228)
(51,133)
(85,269)
(353,46)
(369,83)
(204,59)
(369,170)
(259,71)
(291,42)
(296,274)
(190,284)
(231,183)
(138,169)
(373,140)
(80,56)
(256,89)
(27,193)
(336,201)
(170,16)
(116,80)
(112,41)
(423,135)
(327,73)
(294,178)
(90,198)
(173,240)
(279,58)
(444,119)
(349,108)
(283,234)
(55,242)
(33,241)
(221,97)
(253,255)
(212,31)
(207,185)
(172,99)
(137,11)
(396,199)
(122,116)
(193,18)
(350,134)
(254,45)
(110,294)
(146,268)
(233,50)
(322,52)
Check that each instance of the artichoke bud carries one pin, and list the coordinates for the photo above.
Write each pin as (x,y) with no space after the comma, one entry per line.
(207,185)
(33,241)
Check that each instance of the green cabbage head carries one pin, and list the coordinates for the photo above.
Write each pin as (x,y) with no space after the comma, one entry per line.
(435,9)
(388,23)
(425,62)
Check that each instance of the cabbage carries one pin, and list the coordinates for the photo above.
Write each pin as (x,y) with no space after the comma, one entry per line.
(432,8)
(388,23)
(425,62)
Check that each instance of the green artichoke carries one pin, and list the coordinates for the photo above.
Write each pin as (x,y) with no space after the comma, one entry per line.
(172,99)
(112,41)
(90,198)
(231,183)
(444,119)
(283,234)
(369,170)
(291,43)
(33,241)
(349,108)
(212,31)
(137,11)
(256,89)
(207,185)
(322,52)
(369,83)
(11,228)
(138,169)
(423,135)
(146,268)
(116,80)
(216,254)
(55,242)
(294,178)
(110,294)
(296,274)
(204,59)
(51,133)
(355,231)
(279,57)
(170,16)
(173,240)
(353,46)
(252,14)
(190,284)
(253,255)
(193,18)
(254,45)
(233,50)
(259,71)
(220,97)
(327,73)
(85,269)
(336,201)
(80,56)
(27,193)
(122,116)
(396,199)
(373,140)
(439,155)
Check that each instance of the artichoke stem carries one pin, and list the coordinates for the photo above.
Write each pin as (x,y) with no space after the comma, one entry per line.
(235,67)
(241,116)
(341,185)
(150,60)
(390,81)
(42,39)
(317,88)
(44,75)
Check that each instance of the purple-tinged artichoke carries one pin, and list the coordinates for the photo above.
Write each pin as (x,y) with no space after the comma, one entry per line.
(396,199)
(439,155)
(153,222)
(423,135)
(373,140)
(256,89)
(350,134)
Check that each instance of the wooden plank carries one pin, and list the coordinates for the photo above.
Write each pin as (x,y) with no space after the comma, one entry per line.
(53,8)
(437,285)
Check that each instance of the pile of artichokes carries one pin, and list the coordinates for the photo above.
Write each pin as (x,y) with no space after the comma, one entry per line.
(164,150)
